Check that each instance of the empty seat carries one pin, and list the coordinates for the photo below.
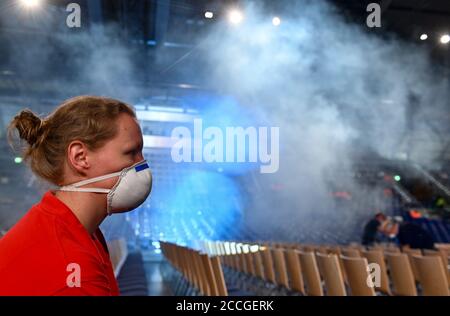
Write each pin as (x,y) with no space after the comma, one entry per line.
(331,273)
(401,274)
(200,271)
(443,254)
(132,277)
(413,252)
(219,277)
(442,246)
(294,271)
(259,267)
(323,249)
(433,277)
(310,274)
(377,257)
(269,272)
(337,251)
(351,252)
(386,247)
(280,268)
(358,276)
(210,277)
(249,266)
(392,248)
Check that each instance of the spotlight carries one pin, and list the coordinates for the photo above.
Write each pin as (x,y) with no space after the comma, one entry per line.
(445,39)
(424,37)
(18,160)
(30,3)
(235,16)
(276,21)
(209,14)
(397,178)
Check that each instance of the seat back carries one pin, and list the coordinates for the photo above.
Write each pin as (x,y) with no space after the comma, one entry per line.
(432,275)
(443,254)
(259,267)
(280,267)
(377,257)
(269,272)
(250,267)
(337,251)
(331,274)
(294,271)
(413,252)
(219,277)
(311,274)
(209,276)
(401,274)
(351,252)
(358,276)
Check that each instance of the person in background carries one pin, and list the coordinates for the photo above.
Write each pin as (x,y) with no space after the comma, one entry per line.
(377,227)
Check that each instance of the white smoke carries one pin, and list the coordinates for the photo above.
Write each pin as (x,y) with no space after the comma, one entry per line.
(333,88)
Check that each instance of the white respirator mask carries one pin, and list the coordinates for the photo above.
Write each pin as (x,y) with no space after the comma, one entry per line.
(130,191)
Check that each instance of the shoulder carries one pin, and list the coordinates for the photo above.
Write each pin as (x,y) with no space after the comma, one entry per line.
(27,237)
(42,251)
(375,223)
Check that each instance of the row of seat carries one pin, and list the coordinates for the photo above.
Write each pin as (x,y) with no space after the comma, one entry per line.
(201,274)
(132,278)
(335,270)
(128,269)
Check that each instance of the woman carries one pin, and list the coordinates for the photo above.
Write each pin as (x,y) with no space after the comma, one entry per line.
(90,148)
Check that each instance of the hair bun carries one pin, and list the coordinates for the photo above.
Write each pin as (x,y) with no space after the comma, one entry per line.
(29,126)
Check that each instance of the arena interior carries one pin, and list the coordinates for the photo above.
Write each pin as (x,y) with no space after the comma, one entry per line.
(304,120)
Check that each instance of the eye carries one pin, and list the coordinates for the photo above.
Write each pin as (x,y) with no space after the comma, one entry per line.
(131,152)
(134,151)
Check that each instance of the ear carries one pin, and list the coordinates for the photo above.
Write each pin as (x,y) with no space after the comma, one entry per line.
(77,156)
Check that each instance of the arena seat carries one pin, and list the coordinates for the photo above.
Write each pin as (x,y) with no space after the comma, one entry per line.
(294,271)
(357,274)
(413,252)
(201,274)
(433,277)
(311,274)
(275,268)
(443,254)
(403,282)
(377,256)
(330,271)
(132,277)
(281,276)
(351,252)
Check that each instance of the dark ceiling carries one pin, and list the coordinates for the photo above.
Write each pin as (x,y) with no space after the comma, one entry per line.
(161,34)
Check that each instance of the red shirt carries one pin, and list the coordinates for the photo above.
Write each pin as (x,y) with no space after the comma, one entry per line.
(38,254)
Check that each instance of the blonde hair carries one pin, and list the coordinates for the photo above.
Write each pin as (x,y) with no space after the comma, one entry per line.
(88,119)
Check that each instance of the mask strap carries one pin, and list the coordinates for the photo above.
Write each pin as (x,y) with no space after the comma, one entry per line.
(86,190)
(76,186)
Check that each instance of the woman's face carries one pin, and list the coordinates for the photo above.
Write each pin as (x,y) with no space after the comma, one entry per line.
(122,151)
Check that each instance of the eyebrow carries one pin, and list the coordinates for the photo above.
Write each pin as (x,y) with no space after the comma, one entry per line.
(134,146)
